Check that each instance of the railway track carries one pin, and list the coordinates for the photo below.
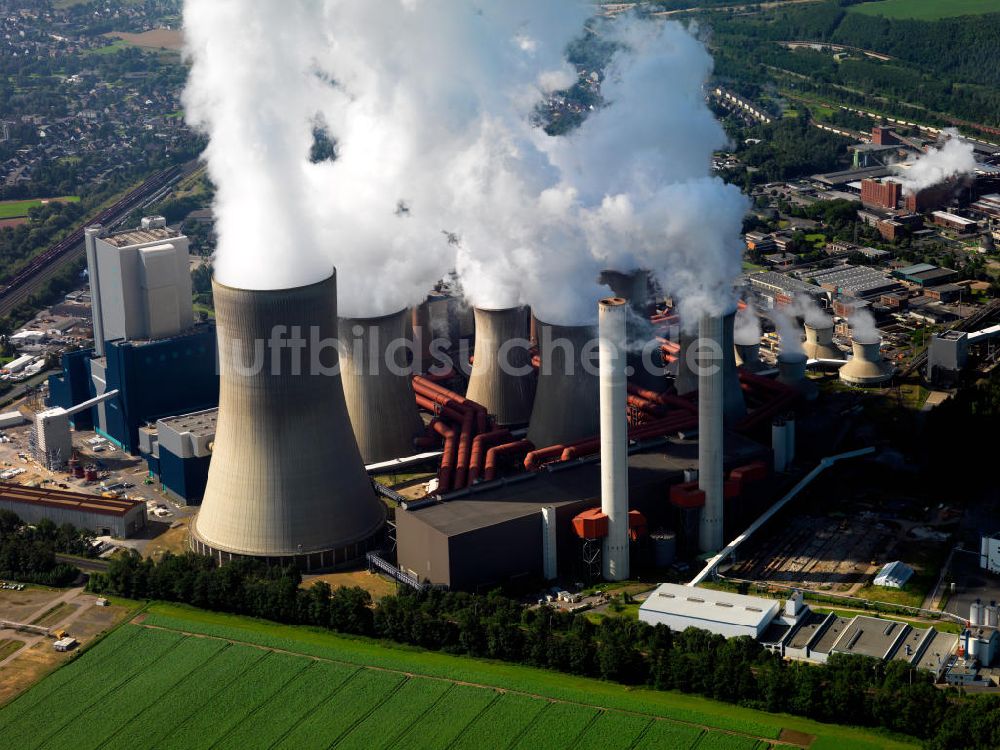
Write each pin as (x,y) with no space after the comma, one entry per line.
(15,289)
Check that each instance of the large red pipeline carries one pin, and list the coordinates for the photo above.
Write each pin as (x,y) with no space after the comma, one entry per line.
(464,448)
(494,454)
(663,399)
(446,469)
(479,444)
(536,458)
(422,384)
(445,410)
(673,423)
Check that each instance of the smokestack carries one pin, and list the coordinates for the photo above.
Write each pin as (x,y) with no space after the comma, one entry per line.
(792,371)
(506,391)
(286,482)
(866,367)
(734,405)
(612,314)
(748,358)
(566,399)
(711,405)
(819,342)
(377,386)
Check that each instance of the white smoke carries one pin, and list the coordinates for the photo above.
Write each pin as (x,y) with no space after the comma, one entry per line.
(956,157)
(863,326)
(806,307)
(789,331)
(746,330)
(631,189)
(429,104)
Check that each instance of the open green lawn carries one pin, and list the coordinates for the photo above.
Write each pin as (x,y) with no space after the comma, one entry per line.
(927,10)
(17,209)
(185,677)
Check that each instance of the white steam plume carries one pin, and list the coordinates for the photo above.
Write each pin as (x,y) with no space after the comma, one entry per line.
(789,331)
(863,326)
(809,310)
(404,89)
(630,188)
(747,328)
(956,157)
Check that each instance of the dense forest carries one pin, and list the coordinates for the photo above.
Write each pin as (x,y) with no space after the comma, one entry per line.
(849,689)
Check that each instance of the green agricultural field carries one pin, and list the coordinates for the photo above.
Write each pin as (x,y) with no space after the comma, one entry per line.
(927,10)
(186,678)
(18,209)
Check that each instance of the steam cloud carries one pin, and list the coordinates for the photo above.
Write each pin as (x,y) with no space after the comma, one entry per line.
(809,310)
(789,331)
(956,157)
(747,326)
(863,326)
(429,105)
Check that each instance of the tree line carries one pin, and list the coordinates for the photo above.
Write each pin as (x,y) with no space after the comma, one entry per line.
(847,690)
(28,553)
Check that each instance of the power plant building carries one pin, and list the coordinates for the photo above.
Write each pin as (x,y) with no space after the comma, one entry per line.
(103,516)
(178,450)
(680,607)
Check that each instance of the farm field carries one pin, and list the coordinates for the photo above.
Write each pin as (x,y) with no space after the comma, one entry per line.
(179,677)
(154,39)
(927,10)
(19,209)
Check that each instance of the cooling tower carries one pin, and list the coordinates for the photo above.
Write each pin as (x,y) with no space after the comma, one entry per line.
(792,371)
(632,286)
(614,437)
(748,357)
(819,342)
(286,482)
(687,377)
(866,367)
(375,374)
(502,378)
(711,406)
(565,409)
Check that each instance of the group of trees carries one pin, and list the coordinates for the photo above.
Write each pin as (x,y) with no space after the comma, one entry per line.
(849,689)
(28,553)
(791,148)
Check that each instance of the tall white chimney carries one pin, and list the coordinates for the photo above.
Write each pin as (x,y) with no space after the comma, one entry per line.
(612,314)
(711,403)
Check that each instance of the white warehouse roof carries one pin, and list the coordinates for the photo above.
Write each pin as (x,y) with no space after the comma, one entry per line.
(894,575)
(710,606)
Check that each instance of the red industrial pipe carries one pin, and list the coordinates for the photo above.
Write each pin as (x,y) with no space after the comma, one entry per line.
(446,470)
(445,410)
(464,448)
(479,444)
(663,399)
(498,451)
(424,385)
(536,458)
(644,405)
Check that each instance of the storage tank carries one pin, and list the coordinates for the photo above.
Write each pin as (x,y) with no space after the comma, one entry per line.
(566,398)
(975,617)
(819,342)
(779,444)
(286,482)
(507,392)
(664,548)
(867,367)
(992,615)
(376,378)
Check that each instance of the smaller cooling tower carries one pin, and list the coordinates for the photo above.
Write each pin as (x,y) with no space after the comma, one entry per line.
(748,357)
(502,378)
(866,367)
(286,482)
(566,398)
(375,373)
(792,371)
(819,342)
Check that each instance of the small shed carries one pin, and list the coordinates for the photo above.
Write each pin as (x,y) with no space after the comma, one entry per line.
(894,575)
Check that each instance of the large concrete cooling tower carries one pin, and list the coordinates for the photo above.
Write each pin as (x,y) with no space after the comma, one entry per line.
(748,357)
(566,399)
(866,367)
(286,482)
(377,388)
(819,342)
(502,378)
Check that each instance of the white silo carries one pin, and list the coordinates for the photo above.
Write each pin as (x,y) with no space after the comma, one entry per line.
(975,614)
(375,375)
(502,378)
(286,482)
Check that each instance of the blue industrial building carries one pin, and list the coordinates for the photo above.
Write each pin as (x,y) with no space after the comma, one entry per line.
(178,451)
(154,379)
